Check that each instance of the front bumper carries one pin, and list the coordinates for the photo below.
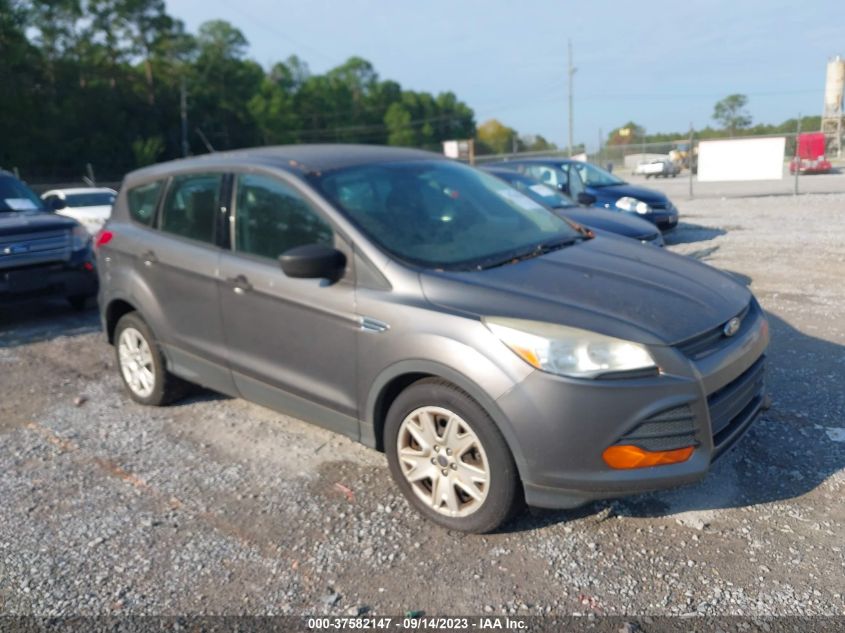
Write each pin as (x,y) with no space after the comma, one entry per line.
(564,425)
(666,220)
(75,278)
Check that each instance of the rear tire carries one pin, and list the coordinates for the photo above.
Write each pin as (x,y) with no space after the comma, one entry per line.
(455,468)
(141,364)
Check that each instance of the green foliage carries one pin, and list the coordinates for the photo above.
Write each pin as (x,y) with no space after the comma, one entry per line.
(790,126)
(147,150)
(536,143)
(494,137)
(99,81)
(730,112)
(627,134)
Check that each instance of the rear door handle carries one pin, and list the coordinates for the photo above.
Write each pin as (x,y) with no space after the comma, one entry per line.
(149,258)
(240,284)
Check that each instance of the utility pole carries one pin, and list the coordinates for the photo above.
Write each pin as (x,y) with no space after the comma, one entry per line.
(570,72)
(689,158)
(598,151)
(183,106)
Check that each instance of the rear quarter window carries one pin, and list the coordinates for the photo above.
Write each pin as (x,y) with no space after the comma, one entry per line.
(143,201)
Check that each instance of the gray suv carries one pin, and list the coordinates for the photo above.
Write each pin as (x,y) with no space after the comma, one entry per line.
(496,354)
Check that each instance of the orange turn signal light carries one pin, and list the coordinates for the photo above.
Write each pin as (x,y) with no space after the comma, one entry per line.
(626,456)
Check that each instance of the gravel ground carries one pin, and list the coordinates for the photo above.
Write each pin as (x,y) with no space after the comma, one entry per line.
(218,506)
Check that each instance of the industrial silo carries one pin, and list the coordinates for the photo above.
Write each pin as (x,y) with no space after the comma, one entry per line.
(833,91)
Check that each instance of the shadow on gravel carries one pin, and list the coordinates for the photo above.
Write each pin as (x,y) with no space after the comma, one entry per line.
(790,451)
(27,322)
(686,233)
(197,394)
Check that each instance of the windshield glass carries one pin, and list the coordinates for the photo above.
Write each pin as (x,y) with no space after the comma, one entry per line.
(593,176)
(443,215)
(16,196)
(93,199)
(537,191)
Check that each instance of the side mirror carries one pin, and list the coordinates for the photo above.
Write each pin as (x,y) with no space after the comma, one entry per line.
(57,204)
(587,199)
(313,261)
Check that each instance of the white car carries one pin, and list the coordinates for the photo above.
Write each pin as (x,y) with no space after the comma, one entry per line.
(89,205)
(658,167)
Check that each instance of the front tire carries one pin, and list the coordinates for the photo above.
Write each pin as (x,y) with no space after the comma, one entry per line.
(449,459)
(141,364)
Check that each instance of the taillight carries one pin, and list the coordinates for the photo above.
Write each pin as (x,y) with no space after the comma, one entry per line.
(103,238)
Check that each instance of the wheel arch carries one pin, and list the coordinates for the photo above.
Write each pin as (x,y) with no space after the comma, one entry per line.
(116,309)
(391,382)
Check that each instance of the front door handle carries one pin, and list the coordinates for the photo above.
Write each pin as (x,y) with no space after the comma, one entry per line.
(149,258)
(240,284)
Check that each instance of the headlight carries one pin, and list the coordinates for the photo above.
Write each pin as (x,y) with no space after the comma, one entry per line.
(79,238)
(632,205)
(569,351)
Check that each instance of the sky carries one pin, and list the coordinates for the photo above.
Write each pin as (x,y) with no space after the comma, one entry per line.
(661,64)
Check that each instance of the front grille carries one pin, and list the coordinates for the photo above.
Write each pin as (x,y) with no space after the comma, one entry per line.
(734,406)
(664,431)
(705,344)
(28,249)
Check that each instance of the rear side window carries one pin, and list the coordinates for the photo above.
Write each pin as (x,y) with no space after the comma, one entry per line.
(191,205)
(547,175)
(272,217)
(143,201)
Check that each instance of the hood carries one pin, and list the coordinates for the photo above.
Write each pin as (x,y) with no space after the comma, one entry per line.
(614,192)
(16,222)
(612,221)
(608,284)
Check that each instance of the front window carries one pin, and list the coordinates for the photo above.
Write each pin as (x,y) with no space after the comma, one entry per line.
(272,217)
(94,199)
(442,215)
(16,196)
(593,176)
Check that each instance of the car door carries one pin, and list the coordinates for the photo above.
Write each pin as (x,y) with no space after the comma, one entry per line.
(576,183)
(180,263)
(291,342)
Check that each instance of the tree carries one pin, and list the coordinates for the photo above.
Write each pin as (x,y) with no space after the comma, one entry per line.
(536,143)
(100,81)
(399,128)
(627,134)
(494,137)
(731,114)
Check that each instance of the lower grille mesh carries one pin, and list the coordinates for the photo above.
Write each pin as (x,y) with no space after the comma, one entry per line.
(664,431)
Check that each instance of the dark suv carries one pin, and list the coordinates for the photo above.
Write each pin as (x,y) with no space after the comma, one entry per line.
(41,254)
(496,353)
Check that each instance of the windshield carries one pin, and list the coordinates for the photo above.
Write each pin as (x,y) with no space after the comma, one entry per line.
(442,215)
(593,176)
(93,199)
(16,196)
(537,191)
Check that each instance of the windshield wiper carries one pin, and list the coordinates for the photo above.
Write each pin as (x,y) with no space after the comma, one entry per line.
(540,249)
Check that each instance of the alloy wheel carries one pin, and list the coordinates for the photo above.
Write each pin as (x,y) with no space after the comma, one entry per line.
(136,362)
(444,461)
